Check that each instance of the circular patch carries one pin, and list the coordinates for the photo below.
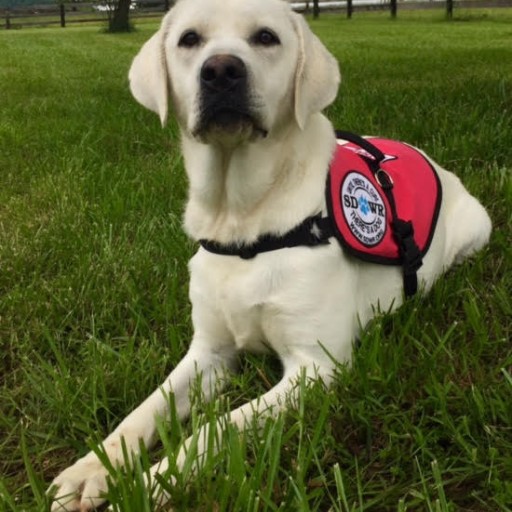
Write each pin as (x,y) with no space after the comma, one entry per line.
(363,208)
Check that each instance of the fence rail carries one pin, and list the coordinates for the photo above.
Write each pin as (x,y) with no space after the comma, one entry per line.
(86,12)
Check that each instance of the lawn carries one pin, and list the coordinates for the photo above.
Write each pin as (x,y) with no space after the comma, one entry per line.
(93,282)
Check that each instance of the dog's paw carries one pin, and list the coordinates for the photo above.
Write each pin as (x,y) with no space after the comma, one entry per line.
(80,487)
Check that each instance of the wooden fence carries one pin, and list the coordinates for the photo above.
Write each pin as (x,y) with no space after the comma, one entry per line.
(74,12)
(84,12)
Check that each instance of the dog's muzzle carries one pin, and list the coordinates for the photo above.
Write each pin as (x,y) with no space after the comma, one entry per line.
(224,98)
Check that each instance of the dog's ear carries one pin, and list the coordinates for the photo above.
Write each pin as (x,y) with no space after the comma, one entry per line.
(149,78)
(317,75)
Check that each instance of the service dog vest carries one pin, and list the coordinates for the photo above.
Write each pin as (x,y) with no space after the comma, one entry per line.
(379,193)
(383,198)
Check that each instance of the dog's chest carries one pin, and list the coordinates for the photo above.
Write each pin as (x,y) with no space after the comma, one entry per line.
(251,302)
(228,298)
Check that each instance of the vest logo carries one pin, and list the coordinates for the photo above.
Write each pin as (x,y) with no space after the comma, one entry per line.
(363,208)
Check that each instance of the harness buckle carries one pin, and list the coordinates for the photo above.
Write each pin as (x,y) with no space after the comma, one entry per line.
(403,232)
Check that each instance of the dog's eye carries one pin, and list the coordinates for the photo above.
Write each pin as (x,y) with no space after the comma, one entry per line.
(265,37)
(189,39)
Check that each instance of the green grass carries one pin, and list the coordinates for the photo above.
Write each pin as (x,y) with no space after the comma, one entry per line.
(93,283)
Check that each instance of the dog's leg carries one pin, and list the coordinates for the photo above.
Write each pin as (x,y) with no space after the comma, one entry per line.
(284,394)
(80,486)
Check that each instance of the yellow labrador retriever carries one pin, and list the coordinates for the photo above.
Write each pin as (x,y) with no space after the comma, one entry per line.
(247,81)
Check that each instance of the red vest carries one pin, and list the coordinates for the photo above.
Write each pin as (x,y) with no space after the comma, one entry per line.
(383,197)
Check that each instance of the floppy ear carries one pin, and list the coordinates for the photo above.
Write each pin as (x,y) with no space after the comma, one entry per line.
(317,76)
(149,78)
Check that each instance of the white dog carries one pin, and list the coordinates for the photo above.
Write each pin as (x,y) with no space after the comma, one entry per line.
(247,81)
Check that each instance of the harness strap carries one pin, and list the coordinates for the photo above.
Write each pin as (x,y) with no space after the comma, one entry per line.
(362,143)
(403,233)
(311,232)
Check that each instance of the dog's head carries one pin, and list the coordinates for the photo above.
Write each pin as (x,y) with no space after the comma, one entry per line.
(234,69)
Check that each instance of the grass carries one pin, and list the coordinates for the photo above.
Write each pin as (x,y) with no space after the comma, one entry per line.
(93,283)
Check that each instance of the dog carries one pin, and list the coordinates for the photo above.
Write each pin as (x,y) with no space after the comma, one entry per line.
(247,81)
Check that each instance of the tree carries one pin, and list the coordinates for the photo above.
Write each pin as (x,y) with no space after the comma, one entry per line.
(394,8)
(119,15)
(316,9)
(449,9)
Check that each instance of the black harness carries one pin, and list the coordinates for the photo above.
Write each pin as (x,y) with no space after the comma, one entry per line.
(317,230)
(313,231)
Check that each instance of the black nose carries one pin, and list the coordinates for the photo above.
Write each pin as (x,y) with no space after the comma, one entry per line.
(221,73)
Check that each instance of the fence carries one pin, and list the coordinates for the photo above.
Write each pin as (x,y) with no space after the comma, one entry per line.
(75,12)
(82,12)
(393,5)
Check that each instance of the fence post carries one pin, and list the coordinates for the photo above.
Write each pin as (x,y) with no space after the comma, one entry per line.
(349,9)
(62,15)
(393,6)
(7,19)
(449,9)
(166,5)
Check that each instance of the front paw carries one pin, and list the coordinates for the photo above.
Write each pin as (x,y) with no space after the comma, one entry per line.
(80,487)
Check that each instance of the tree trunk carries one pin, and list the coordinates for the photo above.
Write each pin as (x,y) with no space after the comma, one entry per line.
(393,8)
(316,9)
(120,20)
(449,9)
